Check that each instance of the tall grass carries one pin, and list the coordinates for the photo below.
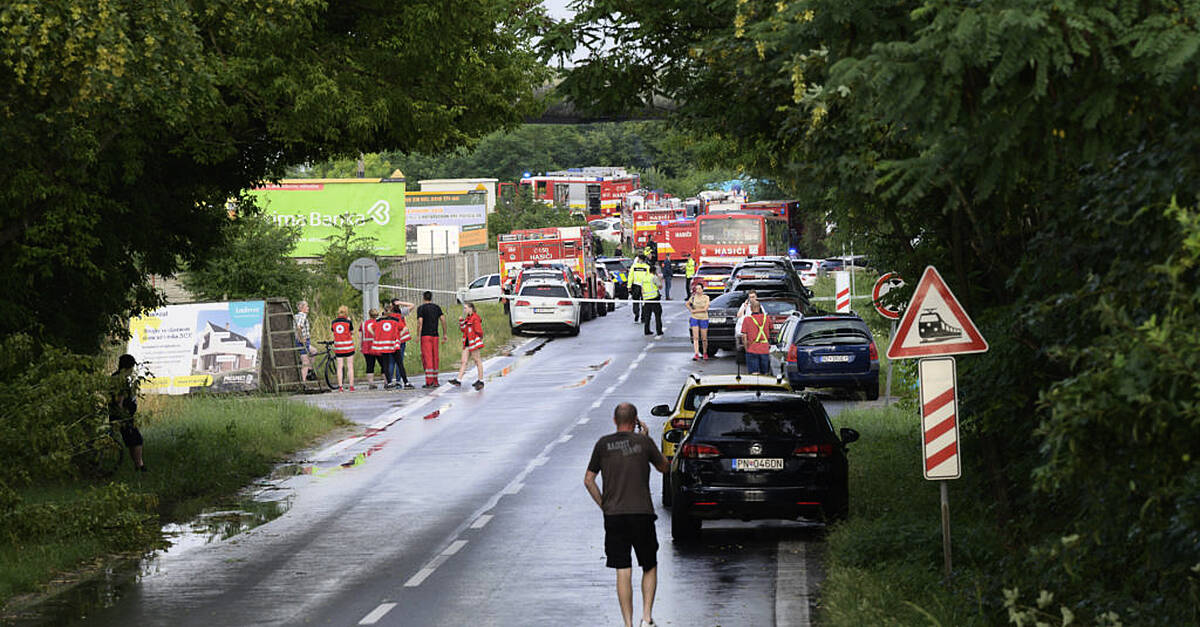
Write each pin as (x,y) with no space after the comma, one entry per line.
(885,561)
(496,332)
(198,450)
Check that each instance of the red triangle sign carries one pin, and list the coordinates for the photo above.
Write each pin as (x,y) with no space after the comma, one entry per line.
(934,323)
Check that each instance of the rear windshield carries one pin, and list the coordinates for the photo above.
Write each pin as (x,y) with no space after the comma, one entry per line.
(824,332)
(802,265)
(619,266)
(544,290)
(791,419)
(731,300)
(760,287)
(714,270)
(778,307)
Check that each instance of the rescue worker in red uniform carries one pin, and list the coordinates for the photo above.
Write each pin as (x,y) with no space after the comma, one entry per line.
(387,335)
(397,374)
(757,330)
(343,344)
(367,342)
(471,326)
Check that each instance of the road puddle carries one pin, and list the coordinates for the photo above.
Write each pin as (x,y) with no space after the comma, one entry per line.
(76,596)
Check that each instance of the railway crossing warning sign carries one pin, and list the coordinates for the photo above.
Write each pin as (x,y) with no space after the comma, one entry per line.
(939,418)
(934,323)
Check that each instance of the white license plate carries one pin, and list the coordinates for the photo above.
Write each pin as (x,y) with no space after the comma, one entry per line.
(543,310)
(757,463)
(716,320)
(833,359)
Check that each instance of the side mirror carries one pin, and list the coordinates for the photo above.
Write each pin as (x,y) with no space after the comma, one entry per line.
(808,293)
(674,436)
(849,435)
(660,410)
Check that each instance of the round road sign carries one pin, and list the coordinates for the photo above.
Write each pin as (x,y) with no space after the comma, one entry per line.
(885,284)
(363,273)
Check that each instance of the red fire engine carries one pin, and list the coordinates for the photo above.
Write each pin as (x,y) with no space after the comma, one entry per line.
(677,238)
(640,214)
(596,192)
(570,246)
(789,209)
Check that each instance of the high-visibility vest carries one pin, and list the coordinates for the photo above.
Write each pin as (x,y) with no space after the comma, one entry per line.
(387,334)
(637,273)
(760,324)
(343,335)
(367,331)
(649,288)
(690,268)
(402,333)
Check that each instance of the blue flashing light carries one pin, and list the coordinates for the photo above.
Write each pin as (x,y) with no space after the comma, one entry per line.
(527,174)
(792,252)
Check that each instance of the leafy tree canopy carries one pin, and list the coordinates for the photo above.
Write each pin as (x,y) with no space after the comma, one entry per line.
(128,124)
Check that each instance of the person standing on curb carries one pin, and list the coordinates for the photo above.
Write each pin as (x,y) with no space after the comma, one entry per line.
(697,305)
(303,339)
(122,405)
(429,316)
(399,374)
(624,459)
(471,326)
(650,286)
(668,273)
(367,341)
(637,272)
(343,344)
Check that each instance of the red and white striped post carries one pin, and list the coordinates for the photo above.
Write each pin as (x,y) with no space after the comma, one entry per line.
(939,431)
(842,291)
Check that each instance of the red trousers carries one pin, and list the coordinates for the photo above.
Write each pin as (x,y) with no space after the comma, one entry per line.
(430,358)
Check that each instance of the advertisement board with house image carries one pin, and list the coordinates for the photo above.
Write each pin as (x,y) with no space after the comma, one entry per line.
(200,346)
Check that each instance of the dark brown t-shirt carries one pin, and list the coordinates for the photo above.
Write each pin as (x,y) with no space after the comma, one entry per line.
(623,460)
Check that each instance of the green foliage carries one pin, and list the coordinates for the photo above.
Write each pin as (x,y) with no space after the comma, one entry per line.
(129,123)
(254,262)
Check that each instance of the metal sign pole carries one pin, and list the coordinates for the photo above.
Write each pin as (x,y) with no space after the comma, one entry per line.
(887,396)
(945,526)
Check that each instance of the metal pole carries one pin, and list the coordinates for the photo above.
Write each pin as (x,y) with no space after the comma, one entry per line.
(887,395)
(945,526)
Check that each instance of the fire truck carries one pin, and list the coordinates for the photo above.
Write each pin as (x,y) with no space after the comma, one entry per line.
(570,246)
(595,192)
(789,209)
(677,238)
(640,215)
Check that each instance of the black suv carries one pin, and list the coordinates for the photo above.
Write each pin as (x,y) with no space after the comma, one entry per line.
(758,455)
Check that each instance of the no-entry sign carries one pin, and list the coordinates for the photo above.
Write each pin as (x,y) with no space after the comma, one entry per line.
(939,418)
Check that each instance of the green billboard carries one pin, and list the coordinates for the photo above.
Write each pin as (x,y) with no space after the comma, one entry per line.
(321,206)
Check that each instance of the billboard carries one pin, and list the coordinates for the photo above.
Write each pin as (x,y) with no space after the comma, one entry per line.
(466,210)
(321,206)
(211,346)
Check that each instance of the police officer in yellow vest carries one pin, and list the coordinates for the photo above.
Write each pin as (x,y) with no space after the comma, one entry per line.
(689,271)
(650,292)
(637,273)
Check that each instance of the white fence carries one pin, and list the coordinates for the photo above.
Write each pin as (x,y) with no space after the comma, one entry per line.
(438,272)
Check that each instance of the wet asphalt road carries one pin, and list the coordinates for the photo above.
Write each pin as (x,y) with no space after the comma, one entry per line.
(479,516)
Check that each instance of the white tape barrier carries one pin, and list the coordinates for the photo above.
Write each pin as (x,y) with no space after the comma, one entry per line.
(579,300)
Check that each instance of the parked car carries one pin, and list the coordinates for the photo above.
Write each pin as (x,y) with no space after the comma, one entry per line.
(483,289)
(779,309)
(545,305)
(808,270)
(829,350)
(695,389)
(712,277)
(763,268)
(618,267)
(758,455)
(831,265)
(723,312)
(607,229)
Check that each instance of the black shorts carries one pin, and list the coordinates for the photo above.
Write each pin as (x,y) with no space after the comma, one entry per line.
(371,363)
(623,531)
(130,435)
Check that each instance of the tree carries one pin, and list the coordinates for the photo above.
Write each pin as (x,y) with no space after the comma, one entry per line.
(128,124)
(253,262)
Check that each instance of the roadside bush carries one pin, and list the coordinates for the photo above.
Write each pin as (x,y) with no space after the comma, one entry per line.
(253,262)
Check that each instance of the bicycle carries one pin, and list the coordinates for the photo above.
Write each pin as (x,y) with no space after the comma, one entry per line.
(325,364)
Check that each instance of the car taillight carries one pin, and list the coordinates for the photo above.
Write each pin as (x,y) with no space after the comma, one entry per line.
(565,303)
(699,451)
(681,423)
(813,450)
(873,351)
(791,355)
(522,303)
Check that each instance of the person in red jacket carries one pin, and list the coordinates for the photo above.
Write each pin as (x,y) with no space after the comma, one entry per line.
(367,342)
(343,344)
(471,326)
(757,330)
(387,335)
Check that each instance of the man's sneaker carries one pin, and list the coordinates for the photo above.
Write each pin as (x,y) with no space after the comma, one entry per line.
(478,385)
(650,623)
(388,386)
(455,382)
(352,388)
(407,386)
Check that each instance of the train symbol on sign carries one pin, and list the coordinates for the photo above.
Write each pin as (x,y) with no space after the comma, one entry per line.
(931,328)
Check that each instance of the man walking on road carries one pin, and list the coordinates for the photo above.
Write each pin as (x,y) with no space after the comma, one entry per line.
(429,316)
(650,292)
(624,459)
(637,273)
(668,273)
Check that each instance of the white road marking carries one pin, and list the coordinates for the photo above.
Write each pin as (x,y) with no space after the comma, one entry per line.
(597,403)
(455,547)
(565,438)
(514,487)
(538,461)
(583,421)
(791,585)
(481,521)
(376,614)
(612,388)
(419,578)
